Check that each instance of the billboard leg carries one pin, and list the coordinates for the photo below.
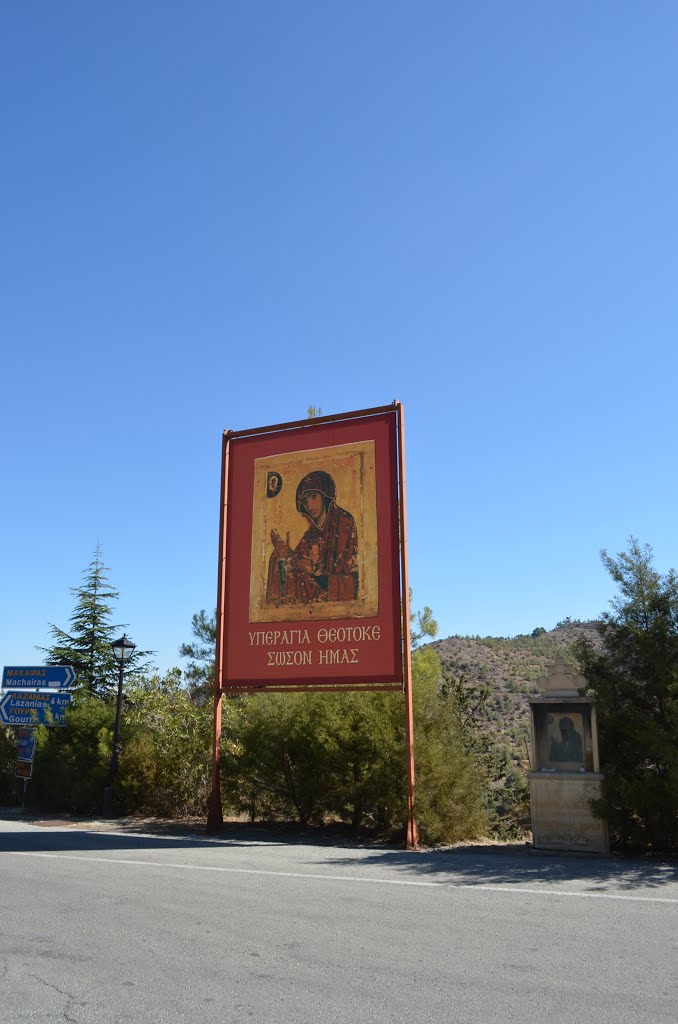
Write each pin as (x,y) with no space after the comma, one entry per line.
(215,815)
(412,834)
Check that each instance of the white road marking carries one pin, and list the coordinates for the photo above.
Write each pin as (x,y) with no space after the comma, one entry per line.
(478,886)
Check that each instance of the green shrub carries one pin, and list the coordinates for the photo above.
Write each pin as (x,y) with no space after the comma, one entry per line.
(166,758)
(318,755)
(72,762)
(634,679)
(7,763)
(164,764)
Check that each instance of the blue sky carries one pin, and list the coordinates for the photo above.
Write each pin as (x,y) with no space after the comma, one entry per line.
(215,214)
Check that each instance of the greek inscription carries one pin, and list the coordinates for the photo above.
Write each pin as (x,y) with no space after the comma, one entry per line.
(276,658)
(273,637)
(344,634)
(339,656)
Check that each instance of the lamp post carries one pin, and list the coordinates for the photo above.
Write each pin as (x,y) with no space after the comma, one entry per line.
(122,650)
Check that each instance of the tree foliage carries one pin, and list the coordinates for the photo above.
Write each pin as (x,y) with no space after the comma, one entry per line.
(165,752)
(310,756)
(166,762)
(7,763)
(422,625)
(316,755)
(87,645)
(505,791)
(199,674)
(72,763)
(634,679)
(449,781)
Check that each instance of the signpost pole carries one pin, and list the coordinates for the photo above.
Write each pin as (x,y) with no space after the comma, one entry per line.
(215,814)
(412,834)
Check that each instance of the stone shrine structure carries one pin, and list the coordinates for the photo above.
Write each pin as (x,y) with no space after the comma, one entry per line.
(565,773)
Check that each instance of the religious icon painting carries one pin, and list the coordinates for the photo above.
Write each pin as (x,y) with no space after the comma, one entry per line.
(566,738)
(314,539)
(310,557)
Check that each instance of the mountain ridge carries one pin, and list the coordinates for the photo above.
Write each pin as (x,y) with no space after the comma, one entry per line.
(510,667)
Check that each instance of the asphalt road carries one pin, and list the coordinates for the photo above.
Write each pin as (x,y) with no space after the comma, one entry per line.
(102,927)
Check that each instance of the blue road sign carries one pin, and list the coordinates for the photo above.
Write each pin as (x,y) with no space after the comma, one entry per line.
(25,744)
(34,708)
(37,677)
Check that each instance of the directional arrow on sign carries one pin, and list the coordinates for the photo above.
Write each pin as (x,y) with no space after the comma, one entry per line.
(34,708)
(37,677)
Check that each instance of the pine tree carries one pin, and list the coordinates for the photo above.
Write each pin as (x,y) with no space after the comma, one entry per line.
(634,680)
(426,626)
(87,646)
(200,672)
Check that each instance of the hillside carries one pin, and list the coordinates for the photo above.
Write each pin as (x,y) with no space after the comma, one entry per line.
(511,668)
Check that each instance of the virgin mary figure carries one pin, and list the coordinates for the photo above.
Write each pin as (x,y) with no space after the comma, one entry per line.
(324,564)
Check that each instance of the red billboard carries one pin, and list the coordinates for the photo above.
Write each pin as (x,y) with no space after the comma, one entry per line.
(310,559)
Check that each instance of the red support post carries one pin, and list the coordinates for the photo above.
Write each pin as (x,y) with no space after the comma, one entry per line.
(412,834)
(215,816)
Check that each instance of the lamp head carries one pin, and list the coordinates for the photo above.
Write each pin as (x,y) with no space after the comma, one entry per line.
(123,648)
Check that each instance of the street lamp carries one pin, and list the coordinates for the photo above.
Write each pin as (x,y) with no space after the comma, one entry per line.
(122,649)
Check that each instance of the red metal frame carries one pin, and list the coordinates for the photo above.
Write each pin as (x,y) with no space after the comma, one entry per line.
(331,687)
(215,814)
(293,424)
(412,836)
(239,671)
